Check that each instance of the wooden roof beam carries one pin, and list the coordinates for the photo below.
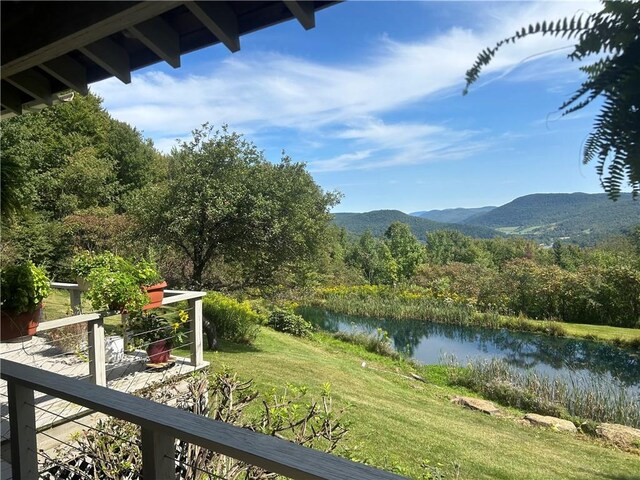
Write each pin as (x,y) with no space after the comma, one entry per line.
(110,56)
(74,28)
(220,20)
(303,11)
(158,36)
(33,83)
(69,72)
(11,98)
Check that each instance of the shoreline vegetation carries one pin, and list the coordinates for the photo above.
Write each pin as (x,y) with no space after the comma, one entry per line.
(422,304)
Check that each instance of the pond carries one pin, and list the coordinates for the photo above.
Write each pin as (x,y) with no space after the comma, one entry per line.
(431,343)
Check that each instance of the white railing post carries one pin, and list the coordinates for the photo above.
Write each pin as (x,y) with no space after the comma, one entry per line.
(195,336)
(22,427)
(76,301)
(158,455)
(97,358)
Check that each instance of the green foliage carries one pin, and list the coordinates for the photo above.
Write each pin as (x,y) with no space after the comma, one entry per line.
(234,321)
(446,246)
(223,199)
(33,236)
(98,229)
(373,257)
(288,322)
(115,290)
(407,252)
(24,286)
(115,283)
(68,168)
(86,261)
(145,328)
(613,36)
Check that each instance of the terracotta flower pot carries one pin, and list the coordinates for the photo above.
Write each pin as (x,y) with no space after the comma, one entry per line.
(156,294)
(159,351)
(14,325)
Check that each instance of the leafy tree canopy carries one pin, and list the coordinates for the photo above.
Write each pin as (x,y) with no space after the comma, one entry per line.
(613,36)
(221,197)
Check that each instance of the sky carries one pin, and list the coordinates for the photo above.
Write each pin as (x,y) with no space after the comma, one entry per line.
(371,100)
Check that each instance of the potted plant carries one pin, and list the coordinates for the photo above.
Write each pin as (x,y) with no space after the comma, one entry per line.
(151,283)
(84,262)
(23,288)
(158,334)
(118,284)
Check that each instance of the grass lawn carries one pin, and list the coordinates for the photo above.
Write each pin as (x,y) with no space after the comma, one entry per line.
(399,422)
(602,332)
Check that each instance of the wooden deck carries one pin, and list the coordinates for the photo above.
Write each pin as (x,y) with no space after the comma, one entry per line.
(130,374)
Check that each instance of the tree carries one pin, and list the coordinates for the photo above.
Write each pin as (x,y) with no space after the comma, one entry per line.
(374,259)
(223,199)
(405,249)
(613,35)
(446,246)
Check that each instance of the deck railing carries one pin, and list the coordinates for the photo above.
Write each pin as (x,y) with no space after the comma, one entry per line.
(161,426)
(95,323)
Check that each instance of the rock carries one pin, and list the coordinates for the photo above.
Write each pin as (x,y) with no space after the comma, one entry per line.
(552,422)
(485,406)
(418,377)
(620,435)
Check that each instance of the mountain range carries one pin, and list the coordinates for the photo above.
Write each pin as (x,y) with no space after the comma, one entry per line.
(579,218)
(378,221)
(452,215)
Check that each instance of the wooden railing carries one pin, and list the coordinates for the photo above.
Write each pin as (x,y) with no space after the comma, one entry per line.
(161,426)
(95,323)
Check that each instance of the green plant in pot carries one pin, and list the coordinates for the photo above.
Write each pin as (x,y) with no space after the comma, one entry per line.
(84,262)
(118,284)
(158,334)
(23,286)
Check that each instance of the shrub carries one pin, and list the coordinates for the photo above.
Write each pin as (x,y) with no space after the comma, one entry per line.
(288,322)
(234,321)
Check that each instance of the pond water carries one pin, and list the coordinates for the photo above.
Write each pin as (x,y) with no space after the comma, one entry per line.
(431,343)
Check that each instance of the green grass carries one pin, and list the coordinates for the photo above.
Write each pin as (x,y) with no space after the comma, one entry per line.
(603,332)
(401,422)
(58,305)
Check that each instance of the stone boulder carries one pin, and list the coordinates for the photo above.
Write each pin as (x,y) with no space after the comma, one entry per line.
(484,406)
(620,435)
(551,422)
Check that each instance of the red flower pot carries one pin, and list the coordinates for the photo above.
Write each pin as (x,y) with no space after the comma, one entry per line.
(156,294)
(159,351)
(15,325)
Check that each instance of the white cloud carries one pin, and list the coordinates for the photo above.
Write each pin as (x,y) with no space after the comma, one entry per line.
(266,91)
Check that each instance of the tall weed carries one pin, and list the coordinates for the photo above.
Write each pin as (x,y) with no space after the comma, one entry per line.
(594,398)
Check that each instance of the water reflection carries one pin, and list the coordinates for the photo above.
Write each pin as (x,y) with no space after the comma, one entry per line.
(428,342)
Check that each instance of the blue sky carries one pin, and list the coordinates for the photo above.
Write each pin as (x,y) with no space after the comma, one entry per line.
(371,100)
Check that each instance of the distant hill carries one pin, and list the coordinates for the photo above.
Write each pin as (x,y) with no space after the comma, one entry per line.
(452,215)
(378,221)
(579,217)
